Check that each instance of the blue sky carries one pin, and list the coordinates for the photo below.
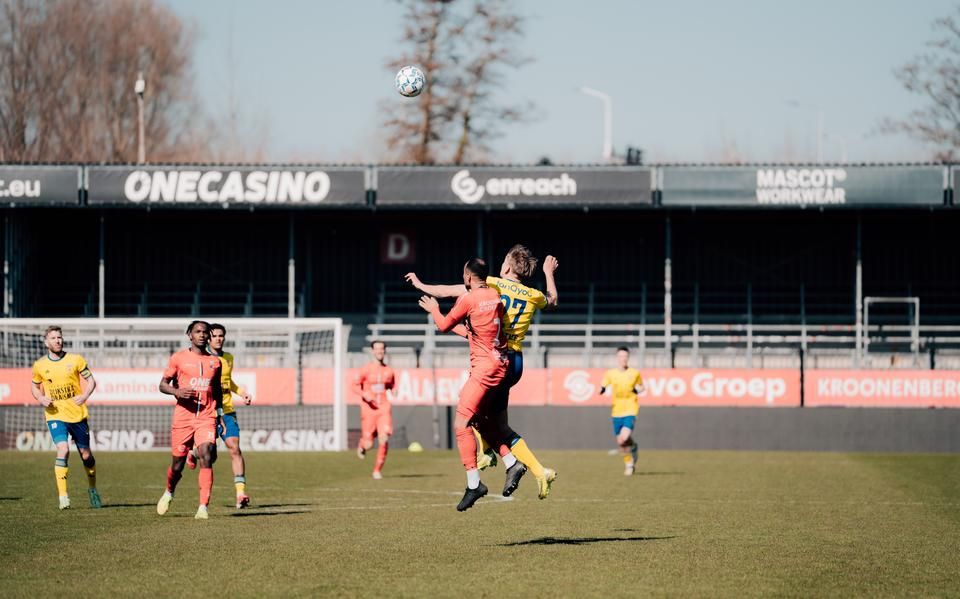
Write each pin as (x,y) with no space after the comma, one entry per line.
(689,78)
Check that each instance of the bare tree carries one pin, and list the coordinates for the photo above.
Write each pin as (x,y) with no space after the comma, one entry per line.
(416,127)
(67,69)
(935,76)
(464,49)
(492,31)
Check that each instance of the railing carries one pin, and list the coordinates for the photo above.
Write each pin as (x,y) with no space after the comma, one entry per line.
(696,341)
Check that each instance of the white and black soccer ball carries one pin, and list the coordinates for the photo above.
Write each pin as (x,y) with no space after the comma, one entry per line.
(410,81)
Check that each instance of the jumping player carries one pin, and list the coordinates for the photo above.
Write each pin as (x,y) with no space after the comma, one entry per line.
(56,386)
(376,418)
(521,303)
(193,378)
(625,384)
(481,312)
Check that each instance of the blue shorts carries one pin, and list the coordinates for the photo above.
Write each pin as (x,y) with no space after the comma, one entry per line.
(80,431)
(623,421)
(230,427)
(514,372)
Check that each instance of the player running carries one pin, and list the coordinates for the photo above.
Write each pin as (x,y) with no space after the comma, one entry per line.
(480,310)
(376,418)
(521,303)
(625,383)
(56,386)
(230,429)
(193,378)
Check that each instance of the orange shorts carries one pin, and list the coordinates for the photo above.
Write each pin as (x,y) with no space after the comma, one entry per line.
(184,436)
(478,392)
(375,423)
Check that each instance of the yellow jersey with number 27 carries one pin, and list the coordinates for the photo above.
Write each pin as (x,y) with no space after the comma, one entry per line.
(520,303)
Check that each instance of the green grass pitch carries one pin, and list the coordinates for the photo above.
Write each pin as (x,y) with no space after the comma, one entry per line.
(688,524)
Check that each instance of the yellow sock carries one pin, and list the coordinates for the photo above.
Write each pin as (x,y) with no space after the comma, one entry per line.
(627,459)
(481,444)
(60,470)
(241,488)
(523,453)
(91,476)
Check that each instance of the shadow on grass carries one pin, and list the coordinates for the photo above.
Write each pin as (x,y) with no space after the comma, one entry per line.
(265,505)
(257,514)
(415,475)
(582,540)
(109,506)
(10,498)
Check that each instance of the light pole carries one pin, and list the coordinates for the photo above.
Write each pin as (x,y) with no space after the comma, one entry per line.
(819,112)
(607,120)
(139,87)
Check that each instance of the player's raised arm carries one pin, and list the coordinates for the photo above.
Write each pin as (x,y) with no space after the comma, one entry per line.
(550,265)
(444,323)
(441,291)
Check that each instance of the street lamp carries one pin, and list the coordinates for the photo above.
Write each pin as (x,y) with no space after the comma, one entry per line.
(139,87)
(819,112)
(607,120)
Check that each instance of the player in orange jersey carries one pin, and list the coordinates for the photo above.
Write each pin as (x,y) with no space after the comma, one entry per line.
(480,312)
(193,378)
(376,420)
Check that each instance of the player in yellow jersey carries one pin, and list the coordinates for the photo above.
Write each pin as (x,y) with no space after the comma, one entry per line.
(625,384)
(56,386)
(521,302)
(229,431)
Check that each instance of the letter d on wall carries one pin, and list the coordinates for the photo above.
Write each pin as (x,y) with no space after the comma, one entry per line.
(397,248)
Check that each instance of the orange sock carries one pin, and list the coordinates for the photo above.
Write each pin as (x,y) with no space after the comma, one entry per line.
(381,456)
(467,444)
(206,485)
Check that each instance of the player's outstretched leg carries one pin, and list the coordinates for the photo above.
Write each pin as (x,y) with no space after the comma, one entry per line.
(486,457)
(90,467)
(628,449)
(60,471)
(470,396)
(499,435)
(206,455)
(174,474)
(239,470)
(381,457)
(519,448)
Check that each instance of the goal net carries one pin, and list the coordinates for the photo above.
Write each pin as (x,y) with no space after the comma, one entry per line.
(292,367)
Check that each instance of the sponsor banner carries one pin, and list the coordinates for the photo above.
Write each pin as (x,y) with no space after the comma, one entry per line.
(141,387)
(795,186)
(883,388)
(40,185)
(513,187)
(243,186)
(683,387)
(581,387)
(257,439)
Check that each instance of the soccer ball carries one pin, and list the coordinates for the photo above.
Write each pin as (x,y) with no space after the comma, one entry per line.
(410,81)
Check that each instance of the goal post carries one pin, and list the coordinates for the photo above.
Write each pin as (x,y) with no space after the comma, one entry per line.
(294,367)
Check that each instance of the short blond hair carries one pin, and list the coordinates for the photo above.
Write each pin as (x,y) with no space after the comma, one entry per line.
(51,329)
(522,261)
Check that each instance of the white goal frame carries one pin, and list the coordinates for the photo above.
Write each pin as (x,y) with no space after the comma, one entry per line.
(914,326)
(168,329)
